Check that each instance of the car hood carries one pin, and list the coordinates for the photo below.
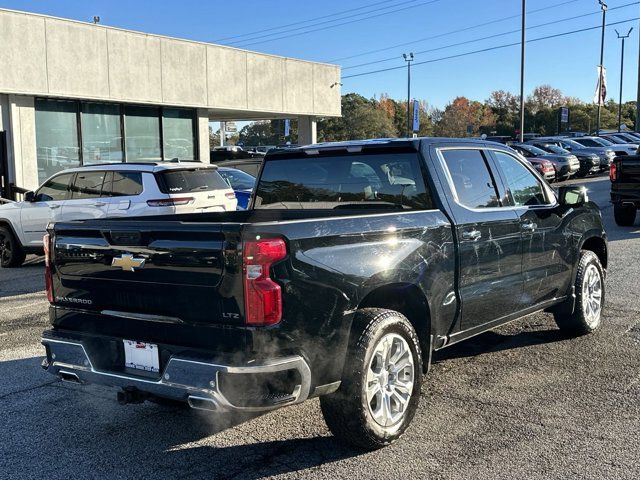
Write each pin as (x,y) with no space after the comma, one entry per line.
(9,207)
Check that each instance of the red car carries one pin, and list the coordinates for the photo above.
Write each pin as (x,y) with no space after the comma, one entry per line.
(544,168)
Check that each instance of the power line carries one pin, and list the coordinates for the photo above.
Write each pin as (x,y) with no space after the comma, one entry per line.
(488,49)
(472,27)
(243,43)
(495,35)
(303,21)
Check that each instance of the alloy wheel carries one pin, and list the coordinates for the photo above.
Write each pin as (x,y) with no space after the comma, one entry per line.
(592,295)
(390,380)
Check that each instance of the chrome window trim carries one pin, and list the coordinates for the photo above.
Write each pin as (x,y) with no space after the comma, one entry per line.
(452,187)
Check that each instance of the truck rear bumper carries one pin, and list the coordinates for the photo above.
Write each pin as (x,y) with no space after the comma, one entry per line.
(204,384)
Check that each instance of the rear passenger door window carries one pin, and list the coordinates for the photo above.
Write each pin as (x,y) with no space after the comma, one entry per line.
(88,185)
(471,179)
(523,187)
(124,184)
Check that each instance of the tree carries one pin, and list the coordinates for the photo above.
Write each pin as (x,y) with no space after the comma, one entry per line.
(544,97)
(267,132)
(462,118)
(360,119)
(506,109)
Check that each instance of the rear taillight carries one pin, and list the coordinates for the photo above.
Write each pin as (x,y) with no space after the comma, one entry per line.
(48,274)
(262,296)
(613,172)
(170,202)
(230,195)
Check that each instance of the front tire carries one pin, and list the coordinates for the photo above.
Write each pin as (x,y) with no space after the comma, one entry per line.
(11,252)
(625,215)
(380,388)
(590,293)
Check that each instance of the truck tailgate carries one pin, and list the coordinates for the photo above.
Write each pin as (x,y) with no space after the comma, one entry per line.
(171,272)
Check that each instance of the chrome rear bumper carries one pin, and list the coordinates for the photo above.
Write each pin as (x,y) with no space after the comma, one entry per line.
(185,379)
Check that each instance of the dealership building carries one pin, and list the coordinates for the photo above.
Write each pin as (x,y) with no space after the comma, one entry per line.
(75,93)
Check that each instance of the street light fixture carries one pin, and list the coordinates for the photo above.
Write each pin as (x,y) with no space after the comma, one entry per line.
(623,38)
(603,7)
(408,59)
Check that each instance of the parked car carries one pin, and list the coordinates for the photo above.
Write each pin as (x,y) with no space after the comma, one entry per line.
(605,154)
(544,167)
(625,189)
(622,139)
(241,182)
(109,190)
(566,165)
(589,162)
(619,149)
(356,261)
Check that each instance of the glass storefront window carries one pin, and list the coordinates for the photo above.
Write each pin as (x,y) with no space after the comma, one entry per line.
(56,136)
(101,137)
(142,134)
(177,134)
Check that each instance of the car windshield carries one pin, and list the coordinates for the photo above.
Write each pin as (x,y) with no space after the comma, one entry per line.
(603,142)
(555,149)
(572,144)
(615,140)
(591,142)
(537,151)
(192,180)
(238,179)
(389,181)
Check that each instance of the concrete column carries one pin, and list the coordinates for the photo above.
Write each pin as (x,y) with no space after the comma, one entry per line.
(203,135)
(23,157)
(307,131)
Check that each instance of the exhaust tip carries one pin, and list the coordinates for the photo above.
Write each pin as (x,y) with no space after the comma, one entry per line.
(68,377)
(202,403)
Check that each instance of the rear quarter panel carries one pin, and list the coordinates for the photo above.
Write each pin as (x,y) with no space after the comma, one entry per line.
(334,263)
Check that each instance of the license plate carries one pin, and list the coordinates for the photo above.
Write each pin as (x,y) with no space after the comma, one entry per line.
(141,356)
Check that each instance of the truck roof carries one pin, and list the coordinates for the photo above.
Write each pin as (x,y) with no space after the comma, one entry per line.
(377,143)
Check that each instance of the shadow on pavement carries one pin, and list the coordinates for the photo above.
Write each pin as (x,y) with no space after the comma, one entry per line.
(493,341)
(61,422)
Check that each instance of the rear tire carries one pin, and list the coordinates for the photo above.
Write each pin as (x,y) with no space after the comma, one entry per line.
(625,215)
(380,388)
(590,295)
(11,252)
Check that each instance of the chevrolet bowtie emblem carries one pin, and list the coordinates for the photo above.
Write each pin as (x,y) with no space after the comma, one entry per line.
(128,263)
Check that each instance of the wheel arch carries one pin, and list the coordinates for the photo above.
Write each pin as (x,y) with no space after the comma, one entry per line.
(6,223)
(597,245)
(409,300)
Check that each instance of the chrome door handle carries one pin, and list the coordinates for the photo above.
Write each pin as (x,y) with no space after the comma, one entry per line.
(472,235)
(529,226)
(53,207)
(99,204)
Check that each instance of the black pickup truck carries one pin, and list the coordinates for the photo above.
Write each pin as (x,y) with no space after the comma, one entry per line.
(353,264)
(625,188)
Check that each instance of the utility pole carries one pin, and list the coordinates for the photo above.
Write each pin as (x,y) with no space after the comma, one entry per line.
(522,56)
(638,92)
(623,38)
(603,7)
(408,59)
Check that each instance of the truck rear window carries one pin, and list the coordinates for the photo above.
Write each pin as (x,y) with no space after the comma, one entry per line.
(350,181)
(191,180)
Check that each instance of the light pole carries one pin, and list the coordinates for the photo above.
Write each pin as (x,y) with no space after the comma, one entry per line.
(408,59)
(638,92)
(623,38)
(522,52)
(603,7)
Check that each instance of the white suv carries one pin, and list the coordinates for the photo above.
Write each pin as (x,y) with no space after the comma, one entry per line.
(112,190)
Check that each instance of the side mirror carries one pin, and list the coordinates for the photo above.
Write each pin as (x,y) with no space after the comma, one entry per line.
(572,196)
(30,197)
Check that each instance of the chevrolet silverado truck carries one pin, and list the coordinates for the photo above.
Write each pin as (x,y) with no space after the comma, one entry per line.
(624,174)
(354,262)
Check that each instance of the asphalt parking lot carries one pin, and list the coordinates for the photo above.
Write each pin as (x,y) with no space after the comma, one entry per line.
(520,402)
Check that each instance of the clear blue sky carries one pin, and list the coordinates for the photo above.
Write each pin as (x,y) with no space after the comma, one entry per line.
(568,62)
